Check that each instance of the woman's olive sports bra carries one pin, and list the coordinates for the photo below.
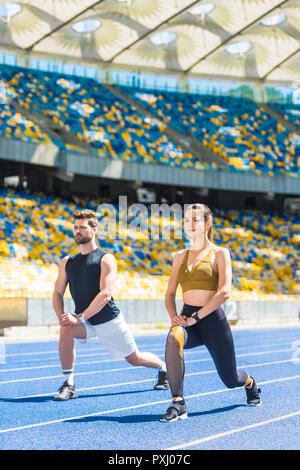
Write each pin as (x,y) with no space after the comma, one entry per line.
(202,276)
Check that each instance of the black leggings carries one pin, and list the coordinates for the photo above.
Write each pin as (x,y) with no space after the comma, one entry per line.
(214,332)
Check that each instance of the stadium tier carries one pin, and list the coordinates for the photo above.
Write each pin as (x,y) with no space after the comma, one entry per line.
(15,125)
(237,129)
(36,232)
(290,111)
(95,116)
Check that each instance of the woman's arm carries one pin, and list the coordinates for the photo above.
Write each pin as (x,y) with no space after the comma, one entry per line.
(170,296)
(225,277)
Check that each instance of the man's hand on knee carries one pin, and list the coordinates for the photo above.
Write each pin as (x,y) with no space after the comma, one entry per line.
(68,319)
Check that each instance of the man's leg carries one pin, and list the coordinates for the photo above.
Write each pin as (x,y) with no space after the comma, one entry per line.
(67,354)
(147,359)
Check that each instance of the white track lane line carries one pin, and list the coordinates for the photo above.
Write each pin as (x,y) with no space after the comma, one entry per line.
(151,380)
(186,352)
(88,362)
(127,368)
(55,351)
(100,413)
(234,431)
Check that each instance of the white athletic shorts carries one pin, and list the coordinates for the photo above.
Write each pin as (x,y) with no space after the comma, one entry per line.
(115,335)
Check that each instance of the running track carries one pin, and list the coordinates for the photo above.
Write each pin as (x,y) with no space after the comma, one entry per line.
(118,409)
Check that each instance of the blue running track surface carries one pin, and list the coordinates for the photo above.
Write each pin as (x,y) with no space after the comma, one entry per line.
(117,408)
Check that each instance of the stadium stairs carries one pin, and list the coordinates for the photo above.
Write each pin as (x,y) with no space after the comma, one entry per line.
(55,131)
(187,142)
(276,115)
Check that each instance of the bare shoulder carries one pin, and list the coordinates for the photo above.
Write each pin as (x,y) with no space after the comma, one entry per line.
(221,253)
(64,261)
(108,259)
(178,256)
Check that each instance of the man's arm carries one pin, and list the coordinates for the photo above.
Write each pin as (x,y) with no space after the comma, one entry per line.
(60,288)
(107,279)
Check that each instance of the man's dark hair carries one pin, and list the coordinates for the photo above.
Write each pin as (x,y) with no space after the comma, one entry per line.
(86,214)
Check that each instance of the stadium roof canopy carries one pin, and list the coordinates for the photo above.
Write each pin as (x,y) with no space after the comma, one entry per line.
(256,40)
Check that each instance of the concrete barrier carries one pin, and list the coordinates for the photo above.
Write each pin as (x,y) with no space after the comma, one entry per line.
(40,311)
(13,312)
(38,314)
(258,312)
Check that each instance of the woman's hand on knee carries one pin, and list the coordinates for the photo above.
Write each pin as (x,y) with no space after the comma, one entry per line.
(178,320)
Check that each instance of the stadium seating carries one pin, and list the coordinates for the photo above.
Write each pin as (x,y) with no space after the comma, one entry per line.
(96,117)
(290,111)
(36,232)
(15,125)
(237,129)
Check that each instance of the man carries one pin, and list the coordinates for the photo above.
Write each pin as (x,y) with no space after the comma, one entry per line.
(91,275)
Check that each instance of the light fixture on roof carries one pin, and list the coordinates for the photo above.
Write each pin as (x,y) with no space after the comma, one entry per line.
(86,26)
(200,10)
(163,38)
(273,20)
(9,9)
(128,2)
(239,48)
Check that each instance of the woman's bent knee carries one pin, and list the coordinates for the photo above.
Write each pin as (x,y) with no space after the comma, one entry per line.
(176,335)
(229,383)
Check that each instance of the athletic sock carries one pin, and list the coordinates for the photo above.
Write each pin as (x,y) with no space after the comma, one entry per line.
(163,367)
(69,376)
(249,382)
(180,402)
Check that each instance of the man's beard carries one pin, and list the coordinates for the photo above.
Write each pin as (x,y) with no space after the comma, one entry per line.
(82,240)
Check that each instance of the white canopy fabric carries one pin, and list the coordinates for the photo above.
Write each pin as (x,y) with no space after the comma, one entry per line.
(256,40)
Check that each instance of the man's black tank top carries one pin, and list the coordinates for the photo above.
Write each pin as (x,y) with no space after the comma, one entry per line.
(83,272)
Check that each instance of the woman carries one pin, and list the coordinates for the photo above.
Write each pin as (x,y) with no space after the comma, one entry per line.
(204,273)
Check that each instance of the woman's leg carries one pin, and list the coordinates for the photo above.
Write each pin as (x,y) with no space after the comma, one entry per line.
(221,347)
(175,361)
(219,341)
(178,338)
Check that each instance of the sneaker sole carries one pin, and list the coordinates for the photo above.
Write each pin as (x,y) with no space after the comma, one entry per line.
(161,387)
(183,416)
(66,399)
(254,404)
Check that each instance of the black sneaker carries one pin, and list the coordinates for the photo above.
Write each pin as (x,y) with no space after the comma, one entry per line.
(162,381)
(66,391)
(253,398)
(174,412)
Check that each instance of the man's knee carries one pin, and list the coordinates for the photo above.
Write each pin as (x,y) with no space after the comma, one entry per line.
(134,359)
(71,332)
(67,332)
